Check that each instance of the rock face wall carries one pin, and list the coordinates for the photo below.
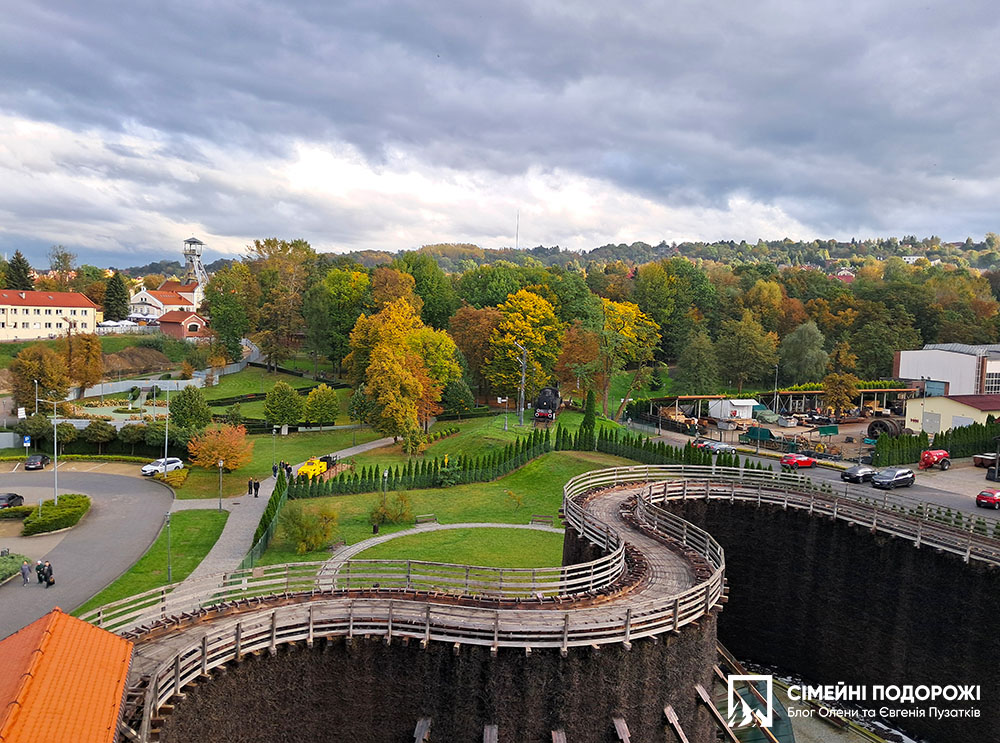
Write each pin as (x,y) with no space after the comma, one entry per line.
(368,692)
(832,602)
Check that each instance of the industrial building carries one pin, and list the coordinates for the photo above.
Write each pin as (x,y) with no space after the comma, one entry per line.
(951,368)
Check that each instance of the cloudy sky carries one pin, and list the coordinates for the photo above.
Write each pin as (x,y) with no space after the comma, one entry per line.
(126,127)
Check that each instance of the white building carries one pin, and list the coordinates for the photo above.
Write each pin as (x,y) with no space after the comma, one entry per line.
(952,368)
(731,408)
(149,304)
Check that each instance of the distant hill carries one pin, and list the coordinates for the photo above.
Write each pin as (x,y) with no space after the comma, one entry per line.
(171,268)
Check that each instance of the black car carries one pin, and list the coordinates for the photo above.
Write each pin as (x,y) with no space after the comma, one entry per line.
(894,477)
(9,500)
(858,473)
(36,462)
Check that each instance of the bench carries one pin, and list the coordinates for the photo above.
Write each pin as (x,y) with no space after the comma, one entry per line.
(536,519)
(425,518)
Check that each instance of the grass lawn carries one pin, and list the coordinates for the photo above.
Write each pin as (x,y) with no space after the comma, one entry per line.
(476,436)
(255,409)
(192,535)
(109,344)
(294,448)
(496,548)
(539,483)
(304,362)
(252,380)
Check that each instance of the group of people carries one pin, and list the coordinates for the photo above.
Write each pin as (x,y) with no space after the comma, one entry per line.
(253,487)
(284,466)
(42,570)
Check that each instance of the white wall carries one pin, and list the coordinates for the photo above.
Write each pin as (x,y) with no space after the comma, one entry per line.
(958,369)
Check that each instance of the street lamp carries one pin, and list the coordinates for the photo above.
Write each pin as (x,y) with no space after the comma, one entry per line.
(169,572)
(274,445)
(55,451)
(220,483)
(524,371)
(36,397)
(166,432)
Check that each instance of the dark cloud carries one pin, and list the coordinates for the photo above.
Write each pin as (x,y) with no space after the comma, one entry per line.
(844,116)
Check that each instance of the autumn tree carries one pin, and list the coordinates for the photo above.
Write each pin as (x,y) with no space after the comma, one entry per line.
(431,285)
(840,386)
(85,360)
(394,389)
(655,292)
(331,307)
(629,337)
(531,321)
(283,406)
(311,530)
(697,370)
(189,409)
(61,264)
(456,398)
(226,444)
(388,285)
(322,405)
(471,330)
(281,270)
(801,354)
(746,352)
(19,273)
(579,363)
(116,298)
(38,362)
(99,432)
(428,400)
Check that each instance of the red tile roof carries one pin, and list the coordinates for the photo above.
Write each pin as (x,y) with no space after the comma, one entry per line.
(180,316)
(45,299)
(62,681)
(176,286)
(983,403)
(169,297)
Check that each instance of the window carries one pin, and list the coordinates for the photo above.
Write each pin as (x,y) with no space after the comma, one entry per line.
(24,325)
(48,325)
(3,325)
(38,311)
(83,325)
(72,312)
(48,312)
(992,383)
(13,310)
(58,324)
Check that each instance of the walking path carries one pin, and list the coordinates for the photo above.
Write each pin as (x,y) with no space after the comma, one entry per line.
(244,515)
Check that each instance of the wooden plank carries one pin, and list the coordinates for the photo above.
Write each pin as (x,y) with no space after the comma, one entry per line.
(719,720)
(621,728)
(675,723)
(422,732)
(558,736)
(491,734)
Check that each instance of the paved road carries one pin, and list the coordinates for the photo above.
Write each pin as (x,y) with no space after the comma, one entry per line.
(126,515)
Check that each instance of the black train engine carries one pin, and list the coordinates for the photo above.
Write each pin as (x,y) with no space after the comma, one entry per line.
(547,404)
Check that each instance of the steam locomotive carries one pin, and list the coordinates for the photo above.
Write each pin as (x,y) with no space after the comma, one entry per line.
(547,404)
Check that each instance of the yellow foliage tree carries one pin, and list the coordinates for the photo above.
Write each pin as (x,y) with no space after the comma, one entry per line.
(629,336)
(531,321)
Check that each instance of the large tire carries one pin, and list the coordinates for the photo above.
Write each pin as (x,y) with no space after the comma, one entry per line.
(945,464)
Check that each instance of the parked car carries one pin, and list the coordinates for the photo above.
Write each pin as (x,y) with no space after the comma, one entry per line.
(162,465)
(858,473)
(794,461)
(36,462)
(989,498)
(894,477)
(701,443)
(719,447)
(9,500)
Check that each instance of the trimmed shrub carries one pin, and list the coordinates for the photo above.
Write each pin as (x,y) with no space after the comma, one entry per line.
(72,507)
(17,512)
(174,478)
(11,565)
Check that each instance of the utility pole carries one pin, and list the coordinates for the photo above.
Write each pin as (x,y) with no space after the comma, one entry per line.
(524,371)
(166,433)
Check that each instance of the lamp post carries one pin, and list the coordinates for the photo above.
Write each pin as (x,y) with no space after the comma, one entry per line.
(220,483)
(520,394)
(166,433)
(36,397)
(274,445)
(169,572)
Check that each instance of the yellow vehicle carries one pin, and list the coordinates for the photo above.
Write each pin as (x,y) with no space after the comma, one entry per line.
(313,467)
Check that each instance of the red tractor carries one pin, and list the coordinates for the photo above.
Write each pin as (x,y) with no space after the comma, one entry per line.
(935,458)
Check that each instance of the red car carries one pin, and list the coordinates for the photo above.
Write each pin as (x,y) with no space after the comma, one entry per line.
(989,498)
(794,461)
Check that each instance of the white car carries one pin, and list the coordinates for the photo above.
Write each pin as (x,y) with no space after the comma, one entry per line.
(162,465)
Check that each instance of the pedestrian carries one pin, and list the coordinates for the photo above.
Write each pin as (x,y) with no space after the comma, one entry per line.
(250,486)
(274,471)
(25,572)
(256,487)
(39,569)
(47,574)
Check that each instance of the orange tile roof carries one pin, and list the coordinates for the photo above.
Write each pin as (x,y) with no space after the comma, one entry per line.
(176,286)
(170,298)
(179,316)
(62,681)
(45,299)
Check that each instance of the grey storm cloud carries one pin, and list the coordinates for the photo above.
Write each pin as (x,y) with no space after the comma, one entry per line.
(845,116)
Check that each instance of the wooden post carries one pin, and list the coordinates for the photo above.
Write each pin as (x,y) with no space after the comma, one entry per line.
(628,627)
(350,621)
(238,651)
(677,614)
(273,646)
(204,655)
(309,637)
(427,627)
(565,640)
(968,548)
(177,674)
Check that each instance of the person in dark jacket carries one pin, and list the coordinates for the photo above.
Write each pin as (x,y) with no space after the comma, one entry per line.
(256,488)
(250,486)
(39,569)
(47,574)
(274,470)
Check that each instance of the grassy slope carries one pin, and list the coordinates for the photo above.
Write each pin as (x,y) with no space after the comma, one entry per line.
(252,380)
(192,535)
(499,548)
(109,344)
(293,448)
(539,483)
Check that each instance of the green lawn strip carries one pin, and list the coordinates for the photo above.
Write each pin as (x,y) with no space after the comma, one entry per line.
(475,437)
(304,362)
(192,535)
(498,548)
(539,483)
(255,409)
(252,380)
(294,448)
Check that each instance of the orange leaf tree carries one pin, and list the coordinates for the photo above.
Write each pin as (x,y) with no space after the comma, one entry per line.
(226,443)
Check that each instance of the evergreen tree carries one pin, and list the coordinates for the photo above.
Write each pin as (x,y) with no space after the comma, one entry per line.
(590,412)
(19,273)
(116,299)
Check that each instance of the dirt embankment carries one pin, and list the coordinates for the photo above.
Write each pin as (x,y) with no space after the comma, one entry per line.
(127,362)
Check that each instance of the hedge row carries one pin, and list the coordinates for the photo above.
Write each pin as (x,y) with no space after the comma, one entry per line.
(88,458)
(72,507)
(481,412)
(16,512)
(966,441)
(272,508)
(11,565)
